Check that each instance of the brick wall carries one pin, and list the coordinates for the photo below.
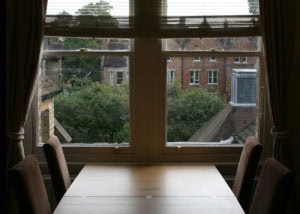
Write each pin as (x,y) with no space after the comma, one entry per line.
(223,64)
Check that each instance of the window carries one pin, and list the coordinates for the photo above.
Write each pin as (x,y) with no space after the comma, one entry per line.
(223,125)
(212,77)
(243,87)
(88,108)
(171,75)
(212,59)
(238,60)
(111,77)
(244,60)
(194,77)
(197,59)
(150,73)
(119,77)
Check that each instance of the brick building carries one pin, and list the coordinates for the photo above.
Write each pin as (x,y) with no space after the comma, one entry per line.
(115,68)
(210,72)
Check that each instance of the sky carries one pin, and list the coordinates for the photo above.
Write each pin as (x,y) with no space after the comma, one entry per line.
(175,7)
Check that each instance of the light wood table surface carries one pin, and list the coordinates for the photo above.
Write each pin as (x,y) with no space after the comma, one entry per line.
(149,189)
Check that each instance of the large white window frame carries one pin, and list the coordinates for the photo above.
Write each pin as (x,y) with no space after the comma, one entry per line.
(170,75)
(148,114)
(212,77)
(194,75)
(111,77)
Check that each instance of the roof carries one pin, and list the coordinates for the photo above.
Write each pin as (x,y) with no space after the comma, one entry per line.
(236,121)
(116,61)
(48,88)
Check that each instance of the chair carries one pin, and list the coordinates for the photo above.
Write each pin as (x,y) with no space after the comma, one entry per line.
(245,173)
(57,166)
(28,187)
(273,189)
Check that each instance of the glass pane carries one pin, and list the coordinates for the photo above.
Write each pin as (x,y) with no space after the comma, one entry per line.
(209,7)
(85,99)
(88,7)
(86,44)
(247,44)
(220,109)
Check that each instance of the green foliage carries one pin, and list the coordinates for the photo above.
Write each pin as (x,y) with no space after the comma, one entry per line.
(81,66)
(95,9)
(94,113)
(189,110)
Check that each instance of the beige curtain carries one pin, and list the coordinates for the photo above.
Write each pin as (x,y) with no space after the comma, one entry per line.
(275,28)
(24,35)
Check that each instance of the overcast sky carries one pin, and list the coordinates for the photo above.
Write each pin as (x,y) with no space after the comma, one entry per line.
(175,7)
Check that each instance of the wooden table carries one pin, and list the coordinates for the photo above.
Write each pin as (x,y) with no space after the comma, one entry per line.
(149,189)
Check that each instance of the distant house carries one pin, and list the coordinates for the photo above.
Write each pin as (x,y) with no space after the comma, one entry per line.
(115,68)
(49,88)
(212,73)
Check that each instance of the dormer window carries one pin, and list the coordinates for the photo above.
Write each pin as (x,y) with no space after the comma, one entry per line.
(243,87)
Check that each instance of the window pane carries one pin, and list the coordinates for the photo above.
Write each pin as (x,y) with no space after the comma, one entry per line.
(209,7)
(85,99)
(220,109)
(86,7)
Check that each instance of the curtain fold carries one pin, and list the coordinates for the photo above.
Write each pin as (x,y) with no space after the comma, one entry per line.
(24,36)
(274,32)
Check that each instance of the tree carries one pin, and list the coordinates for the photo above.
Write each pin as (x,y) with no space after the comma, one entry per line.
(96,9)
(79,66)
(189,110)
(92,112)
(253,7)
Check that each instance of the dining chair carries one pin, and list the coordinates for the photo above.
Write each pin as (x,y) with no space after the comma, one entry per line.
(245,173)
(273,189)
(28,187)
(57,166)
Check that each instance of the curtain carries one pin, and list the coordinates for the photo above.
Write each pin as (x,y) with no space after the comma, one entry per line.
(24,35)
(274,31)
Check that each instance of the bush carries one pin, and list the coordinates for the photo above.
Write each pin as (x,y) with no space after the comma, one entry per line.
(93,112)
(189,110)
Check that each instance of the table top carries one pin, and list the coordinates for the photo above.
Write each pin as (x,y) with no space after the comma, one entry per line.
(155,189)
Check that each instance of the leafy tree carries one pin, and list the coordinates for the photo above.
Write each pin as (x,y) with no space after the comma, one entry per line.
(189,110)
(253,7)
(92,112)
(95,9)
(79,66)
